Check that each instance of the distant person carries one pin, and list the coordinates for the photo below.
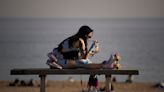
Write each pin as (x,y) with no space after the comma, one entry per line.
(93,83)
(73,52)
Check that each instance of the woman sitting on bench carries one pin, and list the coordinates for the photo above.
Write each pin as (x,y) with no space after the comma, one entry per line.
(73,53)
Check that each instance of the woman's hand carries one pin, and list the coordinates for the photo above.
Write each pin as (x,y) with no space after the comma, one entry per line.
(96,46)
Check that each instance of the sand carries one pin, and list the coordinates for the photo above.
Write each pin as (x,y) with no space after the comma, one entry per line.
(67,86)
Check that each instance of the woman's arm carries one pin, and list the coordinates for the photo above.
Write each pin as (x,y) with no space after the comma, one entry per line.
(87,54)
(83,49)
(93,49)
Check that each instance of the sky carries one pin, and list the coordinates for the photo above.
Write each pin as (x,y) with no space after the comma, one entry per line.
(82,8)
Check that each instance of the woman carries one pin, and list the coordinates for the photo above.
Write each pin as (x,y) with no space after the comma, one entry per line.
(73,52)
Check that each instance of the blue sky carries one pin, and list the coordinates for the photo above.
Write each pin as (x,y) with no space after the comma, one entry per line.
(82,8)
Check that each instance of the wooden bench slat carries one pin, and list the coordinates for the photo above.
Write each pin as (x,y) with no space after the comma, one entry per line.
(42,72)
(47,71)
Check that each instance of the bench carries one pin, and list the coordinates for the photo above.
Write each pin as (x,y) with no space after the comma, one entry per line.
(42,72)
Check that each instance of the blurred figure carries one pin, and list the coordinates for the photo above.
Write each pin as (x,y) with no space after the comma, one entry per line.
(73,52)
(93,83)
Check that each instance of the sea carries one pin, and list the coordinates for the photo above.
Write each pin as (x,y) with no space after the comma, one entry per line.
(25,42)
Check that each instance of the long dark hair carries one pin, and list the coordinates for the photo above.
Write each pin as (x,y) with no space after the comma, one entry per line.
(82,33)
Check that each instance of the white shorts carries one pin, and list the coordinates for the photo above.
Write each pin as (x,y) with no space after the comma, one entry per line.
(64,62)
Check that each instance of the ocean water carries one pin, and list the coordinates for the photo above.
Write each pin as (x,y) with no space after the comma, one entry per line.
(25,42)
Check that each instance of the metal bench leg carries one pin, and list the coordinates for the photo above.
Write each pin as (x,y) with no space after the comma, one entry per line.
(108,83)
(42,83)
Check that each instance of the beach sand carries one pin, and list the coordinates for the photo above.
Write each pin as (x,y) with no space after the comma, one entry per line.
(67,86)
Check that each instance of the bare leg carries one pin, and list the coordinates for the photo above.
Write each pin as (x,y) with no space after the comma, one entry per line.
(73,64)
(91,66)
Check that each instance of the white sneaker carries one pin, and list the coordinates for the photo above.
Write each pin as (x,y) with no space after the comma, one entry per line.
(111,59)
(53,64)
